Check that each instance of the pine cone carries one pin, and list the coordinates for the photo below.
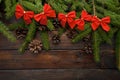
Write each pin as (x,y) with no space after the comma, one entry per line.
(71,34)
(56,39)
(56,23)
(87,45)
(88,50)
(35,46)
(43,28)
(21,33)
(87,39)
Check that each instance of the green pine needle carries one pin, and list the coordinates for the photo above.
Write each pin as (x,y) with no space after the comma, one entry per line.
(61,31)
(50,25)
(96,45)
(29,37)
(4,30)
(30,6)
(117,50)
(45,40)
(104,36)
(81,35)
(23,47)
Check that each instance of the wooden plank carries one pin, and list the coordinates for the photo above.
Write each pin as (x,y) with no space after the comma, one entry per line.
(60,74)
(11,59)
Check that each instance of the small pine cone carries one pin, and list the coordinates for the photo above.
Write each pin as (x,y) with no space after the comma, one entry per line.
(43,28)
(88,49)
(71,34)
(56,39)
(35,46)
(56,23)
(87,38)
(21,33)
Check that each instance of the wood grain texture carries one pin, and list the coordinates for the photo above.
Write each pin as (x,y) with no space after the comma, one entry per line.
(53,59)
(61,62)
(60,74)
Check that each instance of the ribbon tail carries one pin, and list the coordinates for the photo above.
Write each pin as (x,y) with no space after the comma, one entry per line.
(81,25)
(27,19)
(63,22)
(94,25)
(43,20)
(71,24)
(105,27)
(37,17)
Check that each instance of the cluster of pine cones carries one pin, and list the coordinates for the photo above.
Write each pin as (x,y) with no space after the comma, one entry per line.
(35,46)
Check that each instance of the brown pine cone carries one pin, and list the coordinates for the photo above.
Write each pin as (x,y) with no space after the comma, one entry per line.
(71,34)
(56,23)
(88,49)
(43,28)
(35,46)
(56,39)
(87,39)
(21,33)
(87,45)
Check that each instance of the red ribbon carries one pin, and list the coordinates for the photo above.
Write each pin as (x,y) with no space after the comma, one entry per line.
(47,12)
(81,21)
(27,15)
(67,18)
(103,22)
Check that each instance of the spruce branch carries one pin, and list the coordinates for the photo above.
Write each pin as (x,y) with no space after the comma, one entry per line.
(104,36)
(4,30)
(31,6)
(29,37)
(61,31)
(17,25)
(96,46)
(50,25)
(117,50)
(45,40)
(81,35)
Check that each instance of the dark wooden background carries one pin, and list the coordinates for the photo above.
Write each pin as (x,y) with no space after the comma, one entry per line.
(61,62)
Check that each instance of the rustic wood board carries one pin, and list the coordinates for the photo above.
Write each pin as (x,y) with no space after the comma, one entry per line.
(61,62)
(60,74)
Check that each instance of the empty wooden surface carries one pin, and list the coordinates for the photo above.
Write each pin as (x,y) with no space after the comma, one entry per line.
(62,62)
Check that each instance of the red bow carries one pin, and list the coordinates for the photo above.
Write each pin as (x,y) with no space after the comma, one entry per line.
(27,15)
(47,12)
(67,18)
(103,22)
(81,22)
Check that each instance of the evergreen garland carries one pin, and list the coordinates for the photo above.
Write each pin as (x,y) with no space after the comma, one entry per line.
(29,37)
(117,49)
(4,30)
